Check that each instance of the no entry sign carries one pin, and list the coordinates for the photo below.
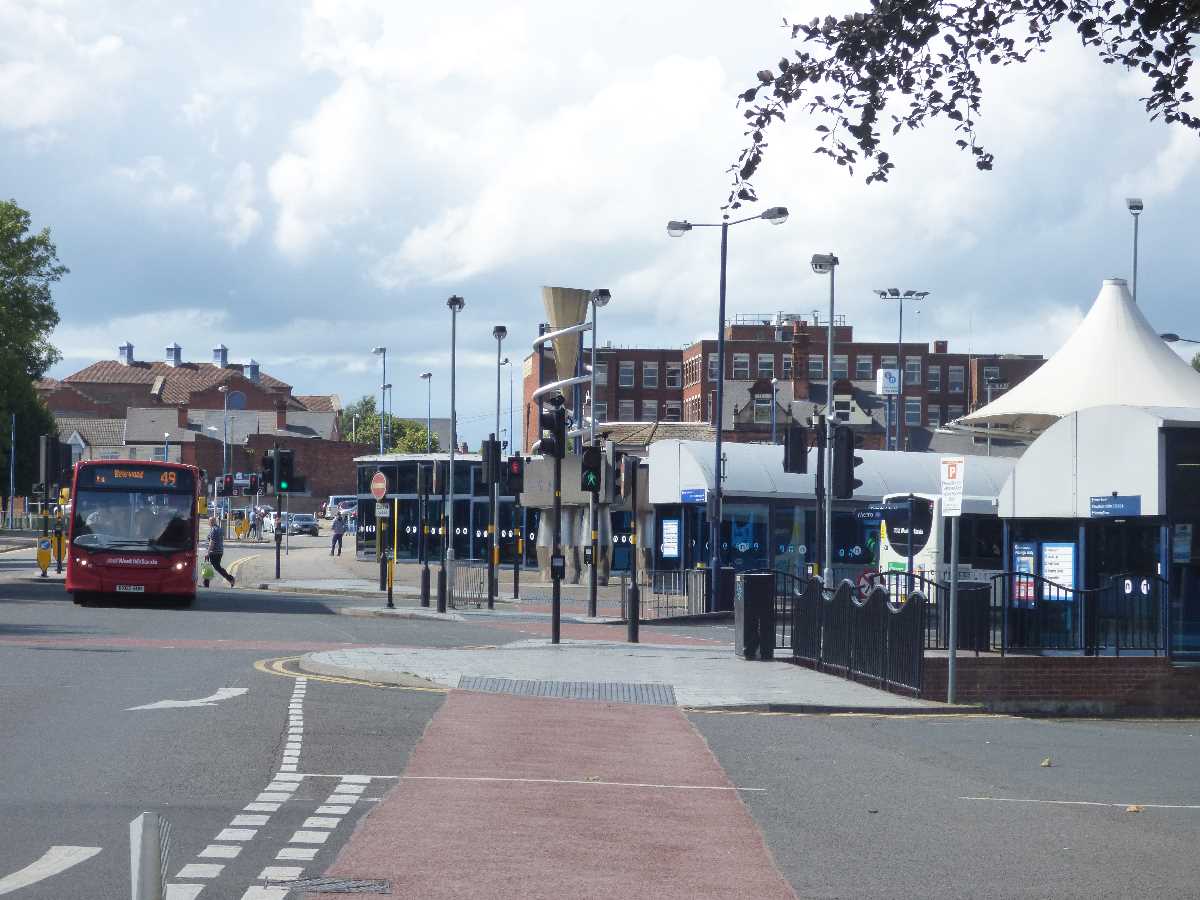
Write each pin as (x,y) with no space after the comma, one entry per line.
(378,485)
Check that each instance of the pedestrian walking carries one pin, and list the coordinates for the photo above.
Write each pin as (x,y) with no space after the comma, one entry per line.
(339,529)
(216,548)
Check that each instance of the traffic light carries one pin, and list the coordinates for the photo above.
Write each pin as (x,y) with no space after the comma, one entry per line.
(227,484)
(268,468)
(844,463)
(490,451)
(422,479)
(554,421)
(589,475)
(628,473)
(441,474)
(514,476)
(253,488)
(286,473)
(795,450)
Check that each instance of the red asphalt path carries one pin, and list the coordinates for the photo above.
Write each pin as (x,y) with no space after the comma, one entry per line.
(586,799)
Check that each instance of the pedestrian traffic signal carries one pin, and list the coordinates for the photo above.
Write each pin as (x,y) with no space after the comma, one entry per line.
(844,463)
(553,421)
(627,480)
(253,487)
(268,468)
(514,476)
(589,476)
(227,483)
(285,460)
(490,450)
(795,450)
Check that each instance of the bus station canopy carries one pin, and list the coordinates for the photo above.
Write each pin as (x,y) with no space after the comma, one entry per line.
(1114,358)
(684,469)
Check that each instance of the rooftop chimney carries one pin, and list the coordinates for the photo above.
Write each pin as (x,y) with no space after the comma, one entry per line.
(125,351)
(220,356)
(252,371)
(181,416)
(280,415)
(174,355)
(941,346)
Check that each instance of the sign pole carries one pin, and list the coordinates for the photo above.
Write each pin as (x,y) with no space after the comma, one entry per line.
(952,637)
(953,478)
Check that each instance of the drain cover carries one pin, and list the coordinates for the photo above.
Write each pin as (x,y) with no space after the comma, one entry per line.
(337,886)
(613,691)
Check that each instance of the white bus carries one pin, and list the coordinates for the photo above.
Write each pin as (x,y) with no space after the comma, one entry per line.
(918,517)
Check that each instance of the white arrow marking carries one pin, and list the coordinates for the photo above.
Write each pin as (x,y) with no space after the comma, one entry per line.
(56,859)
(211,700)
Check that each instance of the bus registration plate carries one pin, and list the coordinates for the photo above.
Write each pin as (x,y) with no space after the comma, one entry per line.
(131,588)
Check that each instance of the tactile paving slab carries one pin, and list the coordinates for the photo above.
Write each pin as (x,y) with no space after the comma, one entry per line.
(611,691)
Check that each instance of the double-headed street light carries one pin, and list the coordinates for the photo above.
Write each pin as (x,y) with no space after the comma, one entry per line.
(1135,207)
(826,264)
(899,296)
(776,215)
(428,378)
(455,304)
(381,352)
(499,332)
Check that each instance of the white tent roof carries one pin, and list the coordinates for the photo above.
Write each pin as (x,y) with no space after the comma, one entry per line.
(1113,358)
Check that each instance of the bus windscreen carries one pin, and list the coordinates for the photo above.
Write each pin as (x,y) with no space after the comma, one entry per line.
(132,477)
(132,520)
(900,529)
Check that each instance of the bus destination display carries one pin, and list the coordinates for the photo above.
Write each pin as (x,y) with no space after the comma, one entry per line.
(136,478)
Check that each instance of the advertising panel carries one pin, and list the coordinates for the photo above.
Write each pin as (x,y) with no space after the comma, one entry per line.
(1024,594)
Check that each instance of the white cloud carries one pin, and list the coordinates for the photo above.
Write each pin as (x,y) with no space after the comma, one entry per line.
(235,211)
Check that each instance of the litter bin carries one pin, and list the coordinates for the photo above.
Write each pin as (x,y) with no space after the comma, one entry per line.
(754,616)
(725,588)
(974,612)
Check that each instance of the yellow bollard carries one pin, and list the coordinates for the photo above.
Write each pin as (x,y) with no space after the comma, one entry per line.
(43,554)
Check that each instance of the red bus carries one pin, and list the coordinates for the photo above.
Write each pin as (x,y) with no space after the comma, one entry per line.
(134,530)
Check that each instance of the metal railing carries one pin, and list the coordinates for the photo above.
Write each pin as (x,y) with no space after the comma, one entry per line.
(668,592)
(470,583)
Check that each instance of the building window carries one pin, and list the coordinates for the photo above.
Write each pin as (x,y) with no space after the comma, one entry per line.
(160,454)
(786,366)
(673,411)
(601,373)
(953,412)
(650,375)
(864,368)
(712,404)
(112,454)
(601,411)
(649,410)
(130,453)
(741,366)
(956,379)
(933,415)
(912,410)
(841,367)
(625,376)
(887,362)
(766,365)
(934,379)
(625,411)
(762,409)
(912,370)
(991,373)
(841,410)
(712,367)
(674,375)
(816,366)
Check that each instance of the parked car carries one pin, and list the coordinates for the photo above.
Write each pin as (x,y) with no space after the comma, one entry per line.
(337,503)
(304,523)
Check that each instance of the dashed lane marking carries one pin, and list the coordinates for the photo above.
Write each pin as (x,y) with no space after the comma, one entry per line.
(1106,805)
(286,667)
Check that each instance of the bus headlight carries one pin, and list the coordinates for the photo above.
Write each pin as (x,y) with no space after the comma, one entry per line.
(179,566)
(81,561)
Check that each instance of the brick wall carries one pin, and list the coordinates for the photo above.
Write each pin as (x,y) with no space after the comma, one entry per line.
(1100,685)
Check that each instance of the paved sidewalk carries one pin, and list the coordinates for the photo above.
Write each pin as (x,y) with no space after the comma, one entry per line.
(708,676)
(507,797)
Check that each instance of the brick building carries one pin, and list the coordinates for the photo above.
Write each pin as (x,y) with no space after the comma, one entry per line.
(777,362)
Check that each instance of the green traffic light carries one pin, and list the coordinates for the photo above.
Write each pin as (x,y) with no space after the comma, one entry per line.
(283,485)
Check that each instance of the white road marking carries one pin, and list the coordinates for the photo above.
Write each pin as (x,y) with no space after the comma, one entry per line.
(309,837)
(350,788)
(296,778)
(630,784)
(266,893)
(249,820)
(57,859)
(343,798)
(272,796)
(1086,803)
(332,810)
(321,822)
(236,834)
(183,891)
(211,700)
(220,851)
(301,853)
(262,807)
(200,870)
(281,873)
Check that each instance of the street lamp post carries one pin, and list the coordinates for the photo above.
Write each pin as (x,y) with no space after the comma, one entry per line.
(776,215)
(1135,206)
(500,332)
(895,294)
(381,352)
(428,378)
(167,446)
(599,298)
(386,390)
(455,304)
(509,442)
(826,264)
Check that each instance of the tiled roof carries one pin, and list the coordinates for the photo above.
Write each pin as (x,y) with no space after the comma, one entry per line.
(95,432)
(643,434)
(46,384)
(243,423)
(179,382)
(320,403)
(151,426)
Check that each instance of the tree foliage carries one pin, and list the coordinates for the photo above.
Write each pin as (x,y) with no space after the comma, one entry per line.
(407,435)
(928,55)
(1196,362)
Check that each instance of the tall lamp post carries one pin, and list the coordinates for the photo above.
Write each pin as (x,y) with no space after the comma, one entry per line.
(427,377)
(224,389)
(386,390)
(826,264)
(455,304)
(499,332)
(381,352)
(1135,206)
(507,362)
(895,294)
(600,297)
(776,215)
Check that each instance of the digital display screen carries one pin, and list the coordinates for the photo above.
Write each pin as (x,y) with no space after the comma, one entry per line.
(132,477)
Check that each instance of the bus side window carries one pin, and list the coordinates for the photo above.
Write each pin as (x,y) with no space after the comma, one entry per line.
(988,539)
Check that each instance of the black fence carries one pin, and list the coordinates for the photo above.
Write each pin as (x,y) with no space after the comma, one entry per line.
(872,639)
(666,593)
(470,583)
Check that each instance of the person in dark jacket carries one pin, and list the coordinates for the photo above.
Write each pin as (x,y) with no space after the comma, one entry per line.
(216,548)
(339,529)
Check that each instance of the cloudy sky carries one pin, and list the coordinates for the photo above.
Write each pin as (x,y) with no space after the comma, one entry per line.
(301,182)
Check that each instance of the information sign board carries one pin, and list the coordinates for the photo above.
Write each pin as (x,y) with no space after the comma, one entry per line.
(887,382)
(670,539)
(952,484)
(1058,566)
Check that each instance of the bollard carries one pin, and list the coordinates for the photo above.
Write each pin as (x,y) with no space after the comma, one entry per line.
(425,585)
(441,590)
(149,856)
